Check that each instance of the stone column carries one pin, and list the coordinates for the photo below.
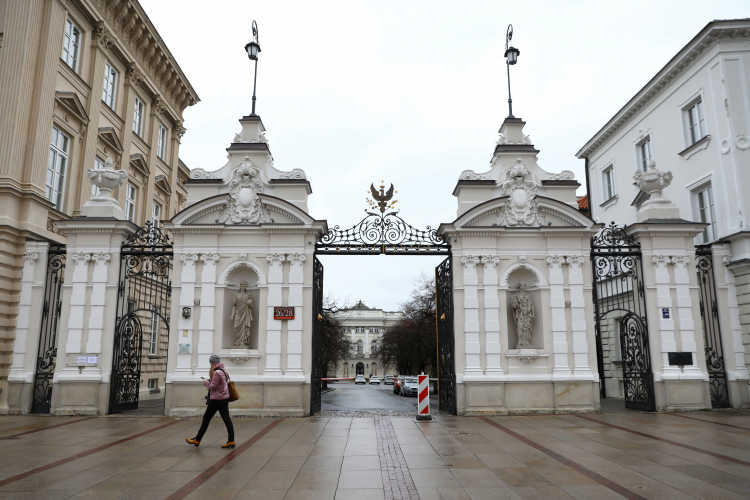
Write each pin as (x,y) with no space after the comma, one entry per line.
(735,326)
(685,314)
(273,327)
(185,325)
(17,368)
(206,345)
(98,296)
(666,326)
(578,316)
(471,316)
(492,346)
(559,323)
(294,326)
(79,280)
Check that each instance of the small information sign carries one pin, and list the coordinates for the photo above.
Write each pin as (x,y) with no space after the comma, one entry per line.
(283,313)
(665,313)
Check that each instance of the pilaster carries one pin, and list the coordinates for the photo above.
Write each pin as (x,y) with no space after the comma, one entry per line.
(17,368)
(685,321)
(666,325)
(187,299)
(578,316)
(735,326)
(273,328)
(98,298)
(492,345)
(208,301)
(79,280)
(294,326)
(559,322)
(471,316)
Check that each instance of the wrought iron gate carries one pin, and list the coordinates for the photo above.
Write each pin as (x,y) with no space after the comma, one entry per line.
(144,297)
(47,350)
(717,374)
(445,336)
(619,292)
(317,344)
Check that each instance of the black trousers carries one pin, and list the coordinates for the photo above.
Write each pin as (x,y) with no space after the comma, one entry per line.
(214,405)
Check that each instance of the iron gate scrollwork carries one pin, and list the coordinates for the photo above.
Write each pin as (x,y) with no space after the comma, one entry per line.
(717,374)
(317,344)
(445,336)
(144,298)
(619,295)
(47,350)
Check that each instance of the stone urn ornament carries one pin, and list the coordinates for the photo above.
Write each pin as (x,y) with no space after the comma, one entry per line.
(106,180)
(653,182)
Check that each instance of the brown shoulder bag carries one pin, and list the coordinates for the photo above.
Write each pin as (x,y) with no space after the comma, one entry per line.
(233,394)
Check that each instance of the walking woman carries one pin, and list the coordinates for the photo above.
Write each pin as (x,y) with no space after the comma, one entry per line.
(218,390)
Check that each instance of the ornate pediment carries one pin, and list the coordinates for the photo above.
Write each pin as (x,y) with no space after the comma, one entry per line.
(245,207)
(108,136)
(161,182)
(71,102)
(139,162)
(520,209)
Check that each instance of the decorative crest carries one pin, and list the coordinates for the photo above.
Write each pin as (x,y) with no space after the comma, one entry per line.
(382,233)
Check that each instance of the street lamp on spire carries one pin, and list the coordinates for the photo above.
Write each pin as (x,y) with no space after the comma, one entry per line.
(253,49)
(511,57)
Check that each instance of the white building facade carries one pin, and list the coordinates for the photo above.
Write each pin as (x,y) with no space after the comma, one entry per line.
(691,119)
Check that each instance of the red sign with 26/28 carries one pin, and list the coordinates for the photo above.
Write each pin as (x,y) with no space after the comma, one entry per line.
(283,313)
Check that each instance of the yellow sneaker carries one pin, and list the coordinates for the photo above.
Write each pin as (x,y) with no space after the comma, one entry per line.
(230,444)
(193,441)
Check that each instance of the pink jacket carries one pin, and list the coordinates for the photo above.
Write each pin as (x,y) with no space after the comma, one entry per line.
(218,383)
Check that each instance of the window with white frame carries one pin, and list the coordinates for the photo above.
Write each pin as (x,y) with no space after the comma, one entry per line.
(644,154)
(161,147)
(138,117)
(153,384)
(110,85)
(153,341)
(71,45)
(374,347)
(706,212)
(57,165)
(696,123)
(608,182)
(130,196)
(155,214)
(98,164)
(360,347)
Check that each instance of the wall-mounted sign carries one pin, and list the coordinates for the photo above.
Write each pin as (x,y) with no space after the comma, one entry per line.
(283,313)
(665,313)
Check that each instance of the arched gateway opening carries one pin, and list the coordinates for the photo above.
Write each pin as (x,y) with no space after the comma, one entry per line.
(384,232)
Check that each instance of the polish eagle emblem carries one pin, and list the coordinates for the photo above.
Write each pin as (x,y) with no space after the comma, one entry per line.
(381,198)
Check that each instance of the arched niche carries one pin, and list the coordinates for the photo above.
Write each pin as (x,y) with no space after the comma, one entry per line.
(538,278)
(513,279)
(231,280)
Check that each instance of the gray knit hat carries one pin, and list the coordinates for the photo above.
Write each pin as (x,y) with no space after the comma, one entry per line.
(215,359)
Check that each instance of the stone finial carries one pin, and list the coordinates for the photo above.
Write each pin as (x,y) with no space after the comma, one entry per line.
(106,180)
(653,182)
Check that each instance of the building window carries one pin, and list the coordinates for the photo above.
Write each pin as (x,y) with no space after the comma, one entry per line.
(608,180)
(706,213)
(130,196)
(374,347)
(155,214)
(645,154)
(152,384)
(360,347)
(138,117)
(161,147)
(71,44)
(57,166)
(696,123)
(153,341)
(110,85)
(98,164)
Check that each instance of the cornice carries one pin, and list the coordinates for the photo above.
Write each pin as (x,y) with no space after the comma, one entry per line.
(729,30)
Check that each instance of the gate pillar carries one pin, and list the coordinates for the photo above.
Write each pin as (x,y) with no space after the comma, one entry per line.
(86,325)
(673,313)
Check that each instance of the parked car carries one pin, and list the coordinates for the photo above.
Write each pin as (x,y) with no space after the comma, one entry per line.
(360,379)
(374,379)
(409,387)
(388,380)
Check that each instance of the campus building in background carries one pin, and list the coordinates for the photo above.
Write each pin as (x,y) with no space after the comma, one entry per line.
(691,119)
(84,84)
(366,325)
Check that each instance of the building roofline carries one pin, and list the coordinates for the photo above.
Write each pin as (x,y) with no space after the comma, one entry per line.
(713,31)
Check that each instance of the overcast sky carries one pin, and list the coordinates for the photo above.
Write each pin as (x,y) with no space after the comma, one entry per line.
(413,92)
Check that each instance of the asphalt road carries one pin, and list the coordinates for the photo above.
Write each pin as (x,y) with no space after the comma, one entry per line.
(348,396)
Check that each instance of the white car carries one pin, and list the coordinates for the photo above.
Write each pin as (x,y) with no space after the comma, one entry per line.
(360,379)
(374,379)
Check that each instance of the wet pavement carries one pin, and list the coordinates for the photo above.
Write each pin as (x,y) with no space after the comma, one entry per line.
(703,455)
(348,396)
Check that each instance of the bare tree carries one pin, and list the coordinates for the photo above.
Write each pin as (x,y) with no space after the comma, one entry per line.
(334,342)
(411,345)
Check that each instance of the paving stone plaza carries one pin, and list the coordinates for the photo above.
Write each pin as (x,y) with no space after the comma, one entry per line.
(610,455)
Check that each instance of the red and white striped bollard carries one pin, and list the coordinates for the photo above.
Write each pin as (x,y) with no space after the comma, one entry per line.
(423,394)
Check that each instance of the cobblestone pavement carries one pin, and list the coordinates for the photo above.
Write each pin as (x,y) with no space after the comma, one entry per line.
(702,455)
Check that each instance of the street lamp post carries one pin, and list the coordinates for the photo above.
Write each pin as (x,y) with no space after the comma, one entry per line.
(511,57)
(253,49)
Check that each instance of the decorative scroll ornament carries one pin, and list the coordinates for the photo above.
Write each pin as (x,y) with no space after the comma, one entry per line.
(382,233)
(244,205)
(199,173)
(520,209)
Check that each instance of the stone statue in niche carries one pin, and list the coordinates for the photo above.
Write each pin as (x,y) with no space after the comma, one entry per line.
(523,313)
(242,314)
